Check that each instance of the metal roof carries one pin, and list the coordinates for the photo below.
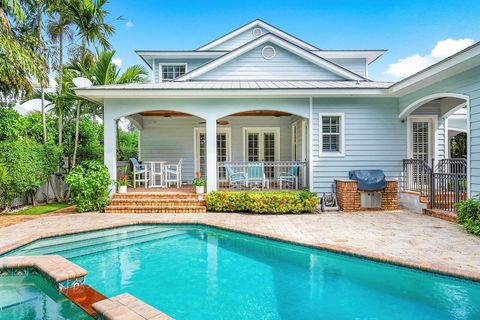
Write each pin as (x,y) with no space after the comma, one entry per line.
(257,84)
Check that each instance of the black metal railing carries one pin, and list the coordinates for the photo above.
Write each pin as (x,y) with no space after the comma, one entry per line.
(443,187)
(417,176)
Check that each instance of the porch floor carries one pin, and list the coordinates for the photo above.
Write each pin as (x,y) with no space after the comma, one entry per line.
(187,188)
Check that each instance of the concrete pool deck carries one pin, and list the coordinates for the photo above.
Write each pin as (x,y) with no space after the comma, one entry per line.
(403,237)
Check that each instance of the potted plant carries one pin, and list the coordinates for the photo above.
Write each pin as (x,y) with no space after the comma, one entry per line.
(199,183)
(122,184)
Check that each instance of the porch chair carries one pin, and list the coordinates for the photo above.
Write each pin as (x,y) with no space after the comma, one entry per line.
(140,173)
(173,174)
(235,179)
(289,177)
(256,174)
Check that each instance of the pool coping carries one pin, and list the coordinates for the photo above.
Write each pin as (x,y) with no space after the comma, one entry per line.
(350,251)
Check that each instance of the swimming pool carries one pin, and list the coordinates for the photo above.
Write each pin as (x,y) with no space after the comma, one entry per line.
(196,272)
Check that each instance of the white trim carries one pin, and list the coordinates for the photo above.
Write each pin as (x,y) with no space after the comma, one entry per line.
(294,140)
(304,135)
(451,113)
(307,55)
(310,145)
(196,149)
(268,57)
(160,71)
(469,149)
(369,55)
(261,24)
(433,136)
(446,138)
(342,134)
(418,103)
(261,149)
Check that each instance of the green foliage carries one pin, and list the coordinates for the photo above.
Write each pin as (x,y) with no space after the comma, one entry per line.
(33,123)
(90,146)
(128,145)
(12,125)
(458,146)
(468,214)
(89,186)
(28,164)
(262,202)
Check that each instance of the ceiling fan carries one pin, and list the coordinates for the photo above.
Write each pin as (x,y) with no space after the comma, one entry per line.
(219,122)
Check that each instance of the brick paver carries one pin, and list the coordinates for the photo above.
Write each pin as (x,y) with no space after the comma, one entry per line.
(401,237)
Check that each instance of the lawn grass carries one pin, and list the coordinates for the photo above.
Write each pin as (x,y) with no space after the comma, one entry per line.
(40,209)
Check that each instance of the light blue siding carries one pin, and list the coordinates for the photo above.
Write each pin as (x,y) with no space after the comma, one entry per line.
(457,124)
(284,66)
(375,138)
(237,41)
(170,139)
(467,83)
(357,65)
(191,65)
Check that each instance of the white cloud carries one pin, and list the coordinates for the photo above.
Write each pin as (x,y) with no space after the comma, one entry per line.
(414,63)
(129,24)
(117,61)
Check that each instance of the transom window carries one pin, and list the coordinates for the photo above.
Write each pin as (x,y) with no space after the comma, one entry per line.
(173,71)
(331,135)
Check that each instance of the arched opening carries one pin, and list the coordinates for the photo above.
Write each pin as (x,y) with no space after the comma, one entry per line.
(262,149)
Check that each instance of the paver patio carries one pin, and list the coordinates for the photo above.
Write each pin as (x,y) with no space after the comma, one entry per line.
(402,237)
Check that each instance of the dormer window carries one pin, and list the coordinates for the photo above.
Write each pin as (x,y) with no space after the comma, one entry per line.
(173,71)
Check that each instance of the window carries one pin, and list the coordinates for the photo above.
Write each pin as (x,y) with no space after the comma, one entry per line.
(331,135)
(171,72)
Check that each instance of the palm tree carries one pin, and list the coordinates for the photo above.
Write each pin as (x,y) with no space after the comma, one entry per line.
(59,28)
(18,59)
(104,72)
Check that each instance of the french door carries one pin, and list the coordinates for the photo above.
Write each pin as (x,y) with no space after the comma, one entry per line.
(223,150)
(262,144)
(421,139)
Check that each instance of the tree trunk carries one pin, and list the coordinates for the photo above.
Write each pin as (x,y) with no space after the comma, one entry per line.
(77,129)
(40,47)
(60,88)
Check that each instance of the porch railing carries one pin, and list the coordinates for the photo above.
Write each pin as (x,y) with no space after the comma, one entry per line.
(442,187)
(262,175)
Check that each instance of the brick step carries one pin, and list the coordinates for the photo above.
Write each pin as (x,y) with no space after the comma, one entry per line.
(155,209)
(441,214)
(157,202)
(155,195)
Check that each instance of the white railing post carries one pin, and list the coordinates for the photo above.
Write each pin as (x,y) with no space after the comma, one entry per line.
(211,139)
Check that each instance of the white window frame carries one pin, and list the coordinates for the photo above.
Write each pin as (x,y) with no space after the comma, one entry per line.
(196,148)
(294,138)
(161,65)
(433,136)
(260,131)
(340,153)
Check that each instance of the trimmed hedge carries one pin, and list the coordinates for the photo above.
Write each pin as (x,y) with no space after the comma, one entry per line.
(262,202)
(468,214)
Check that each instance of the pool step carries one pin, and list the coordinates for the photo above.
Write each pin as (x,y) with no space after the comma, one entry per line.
(156,202)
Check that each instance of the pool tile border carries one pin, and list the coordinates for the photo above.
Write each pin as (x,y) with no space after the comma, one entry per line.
(355,252)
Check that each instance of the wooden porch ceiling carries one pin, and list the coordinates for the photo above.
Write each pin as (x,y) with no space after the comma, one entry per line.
(256,113)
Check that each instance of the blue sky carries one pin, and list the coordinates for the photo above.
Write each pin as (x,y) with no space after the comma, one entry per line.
(405,28)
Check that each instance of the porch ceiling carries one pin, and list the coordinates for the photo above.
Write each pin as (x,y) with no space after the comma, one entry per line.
(255,113)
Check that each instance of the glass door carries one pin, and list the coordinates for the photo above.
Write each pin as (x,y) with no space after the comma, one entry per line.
(262,145)
(421,140)
(223,150)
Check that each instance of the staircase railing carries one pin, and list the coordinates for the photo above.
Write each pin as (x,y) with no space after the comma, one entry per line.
(444,186)
(417,176)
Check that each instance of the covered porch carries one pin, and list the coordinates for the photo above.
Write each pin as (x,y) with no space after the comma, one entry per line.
(256,149)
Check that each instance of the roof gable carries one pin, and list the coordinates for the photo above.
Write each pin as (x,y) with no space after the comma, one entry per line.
(244,34)
(293,49)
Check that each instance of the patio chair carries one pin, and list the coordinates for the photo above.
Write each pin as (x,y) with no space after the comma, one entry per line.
(140,173)
(289,177)
(173,174)
(256,175)
(235,179)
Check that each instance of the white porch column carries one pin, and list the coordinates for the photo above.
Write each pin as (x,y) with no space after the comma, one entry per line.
(211,132)
(110,145)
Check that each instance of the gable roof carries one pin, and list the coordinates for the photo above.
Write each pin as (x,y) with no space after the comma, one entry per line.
(264,25)
(285,44)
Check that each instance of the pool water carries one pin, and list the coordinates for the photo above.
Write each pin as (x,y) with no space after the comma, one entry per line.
(193,272)
(31,297)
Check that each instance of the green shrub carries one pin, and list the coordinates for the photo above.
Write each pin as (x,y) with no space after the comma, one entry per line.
(468,214)
(89,185)
(262,202)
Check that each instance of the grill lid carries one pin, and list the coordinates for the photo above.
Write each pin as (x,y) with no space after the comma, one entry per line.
(369,179)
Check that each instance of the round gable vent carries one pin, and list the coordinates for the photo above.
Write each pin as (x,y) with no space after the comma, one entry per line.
(257,32)
(268,52)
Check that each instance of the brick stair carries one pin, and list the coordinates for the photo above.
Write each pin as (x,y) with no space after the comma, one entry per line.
(156,202)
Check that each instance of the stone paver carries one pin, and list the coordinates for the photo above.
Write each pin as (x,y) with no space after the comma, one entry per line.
(402,237)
